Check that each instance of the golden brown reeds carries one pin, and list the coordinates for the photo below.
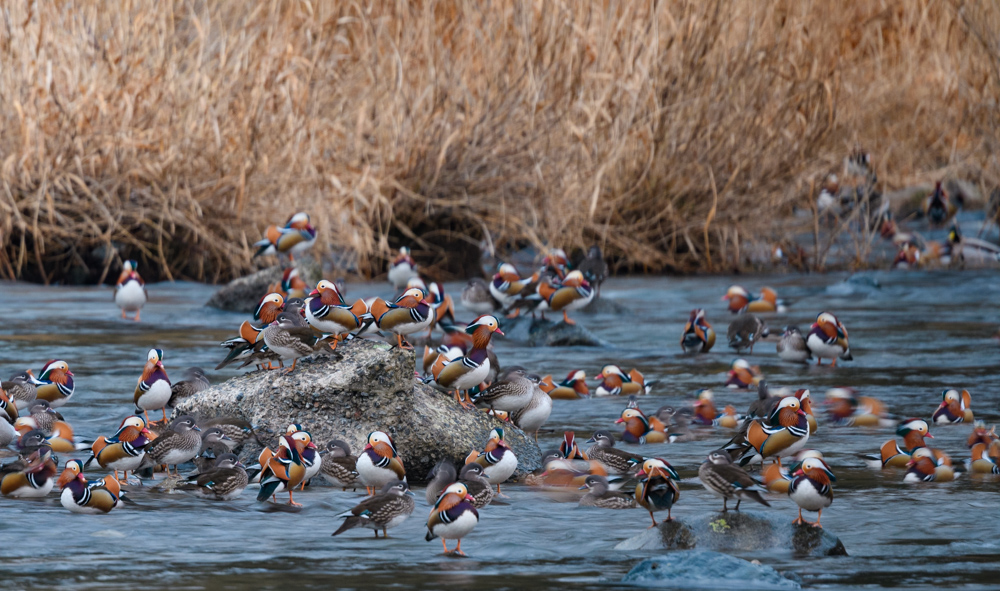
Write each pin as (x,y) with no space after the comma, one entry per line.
(673,133)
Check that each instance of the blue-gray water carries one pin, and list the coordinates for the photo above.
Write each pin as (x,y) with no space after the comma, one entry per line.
(912,335)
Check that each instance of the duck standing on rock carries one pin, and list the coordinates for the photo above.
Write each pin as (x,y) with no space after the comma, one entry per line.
(297,236)
(512,391)
(828,339)
(721,477)
(573,293)
(698,336)
(812,489)
(402,268)
(178,445)
(384,511)
(130,290)
(224,482)
(465,373)
(290,338)
(194,381)
(379,463)
(745,331)
(327,313)
(242,347)
(656,490)
(452,517)
(497,459)
(409,314)
(153,388)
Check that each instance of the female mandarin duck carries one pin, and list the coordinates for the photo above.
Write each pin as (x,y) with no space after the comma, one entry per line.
(130,291)
(656,490)
(465,373)
(295,238)
(812,489)
(153,389)
(531,417)
(599,494)
(573,387)
(741,301)
(55,384)
(402,268)
(498,460)
(91,498)
(742,375)
(391,507)
(845,407)
(476,297)
(614,382)
(379,463)
(638,428)
(409,314)
(290,338)
(507,285)
(913,432)
(721,477)
(441,303)
(21,389)
(792,346)
(35,480)
(956,407)
(573,293)
(828,339)
(783,434)
(326,311)
(745,331)
(452,517)
(284,470)
(698,335)
(511,392)
(125,449)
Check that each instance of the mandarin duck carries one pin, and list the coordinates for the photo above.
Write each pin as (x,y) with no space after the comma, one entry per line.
(777,479)
(124,450)
(130,290)
(742,375)
(297,236)
(55,384)
(283,470)
(638,428)
(828,201)
(467,372)
(507,285)
(292,285)
(805,402)
(569,449)
(193,381)
(452,517)
(927,465)
(782,434)
(792,346)
(311,458)
(90,498)
(497,459)
(181,443)
(441,303)
(573,293)
(845,407)
(290,338)
(242,347)
(379,463)
(594,268)
(62,440)
(573,387)
(938,206)
(556,262)
(153,388)
(511,391)
(224,482)
(981,462)
(476,297)
(698,335)
(913,431)
(339,467)
(479,487)
(955,407)
(705,412)
(721,477)
(600,495)
(615,382)
(35,480)
(21,389)
(383,511)
(43,416)
(8,433)
(812,489)
(402,268)
(409,314)
(746,331)
(530,417)
(828,339)
(656,490)
(614,460)
(980,434)
(741,301)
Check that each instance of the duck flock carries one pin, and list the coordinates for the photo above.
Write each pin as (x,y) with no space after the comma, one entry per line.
(770,447)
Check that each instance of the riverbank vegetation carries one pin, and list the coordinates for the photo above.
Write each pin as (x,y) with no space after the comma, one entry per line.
(672,133)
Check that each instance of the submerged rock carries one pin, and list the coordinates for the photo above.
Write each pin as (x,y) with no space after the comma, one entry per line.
(359,388)
(605,306)
(737,531)
(546,333)
(243,294)
(700,569)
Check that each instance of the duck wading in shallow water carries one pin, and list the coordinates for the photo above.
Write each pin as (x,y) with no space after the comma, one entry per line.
(284,470)
(124,450)
(792,346)
(297,236)
(828,339)
(614,382)
(913,431)
(507,285)
(497,459)
(384,511)
(92,498)
(153,388)
(379,463)
(573,387)
(745,331)
(130,290)
(452,517)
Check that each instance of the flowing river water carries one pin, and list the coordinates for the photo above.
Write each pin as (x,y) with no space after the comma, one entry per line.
(912,335)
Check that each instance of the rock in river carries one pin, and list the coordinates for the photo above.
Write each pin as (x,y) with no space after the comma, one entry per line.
(243,294)
(546,333)
(361,387)
(699,569)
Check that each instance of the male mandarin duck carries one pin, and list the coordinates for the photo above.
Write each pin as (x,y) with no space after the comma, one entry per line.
(698,335)
(614,460)
(511,392)
(507,285)
(310,456)
(981,462)
(180,444)
(599,494)
(615,382)
(292,284)
(55,384)
(721,477)
(569,449)
(384,511)
(745,331)
(379,463)
(792,346)
(497,459)
(777,479)
(21,389)
(452,517)
(339,467)
(573,293)
(153,388)
(805,402)
(573,387)
(327,313)
(638,428)
(90,498)
(35,480)
(557,262)
(480,489)
(125,449)
(913,432)
(409,314)
(130,290)
(224,482)
(828,339)
(939,207)
(706,414)
(783,434)
(530,417)
(559,472)
(656,490)
(956,407)
(242,347)
(465,373)
(62,440)
(402,268)
(908,257)
(441,303)
(845,407)
(476,297)
(295,238)
(812,489)
(927,465)
(742,375)
(283,470)
(741,301)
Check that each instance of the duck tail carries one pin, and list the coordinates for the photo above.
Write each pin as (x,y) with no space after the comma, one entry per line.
(268,489)
(349,523)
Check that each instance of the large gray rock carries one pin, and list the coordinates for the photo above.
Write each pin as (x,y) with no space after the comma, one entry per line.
(698,569)
(243,294)
(737,532)
(361,387)
(546,333)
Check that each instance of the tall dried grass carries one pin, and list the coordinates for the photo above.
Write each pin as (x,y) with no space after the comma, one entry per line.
(672,133)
